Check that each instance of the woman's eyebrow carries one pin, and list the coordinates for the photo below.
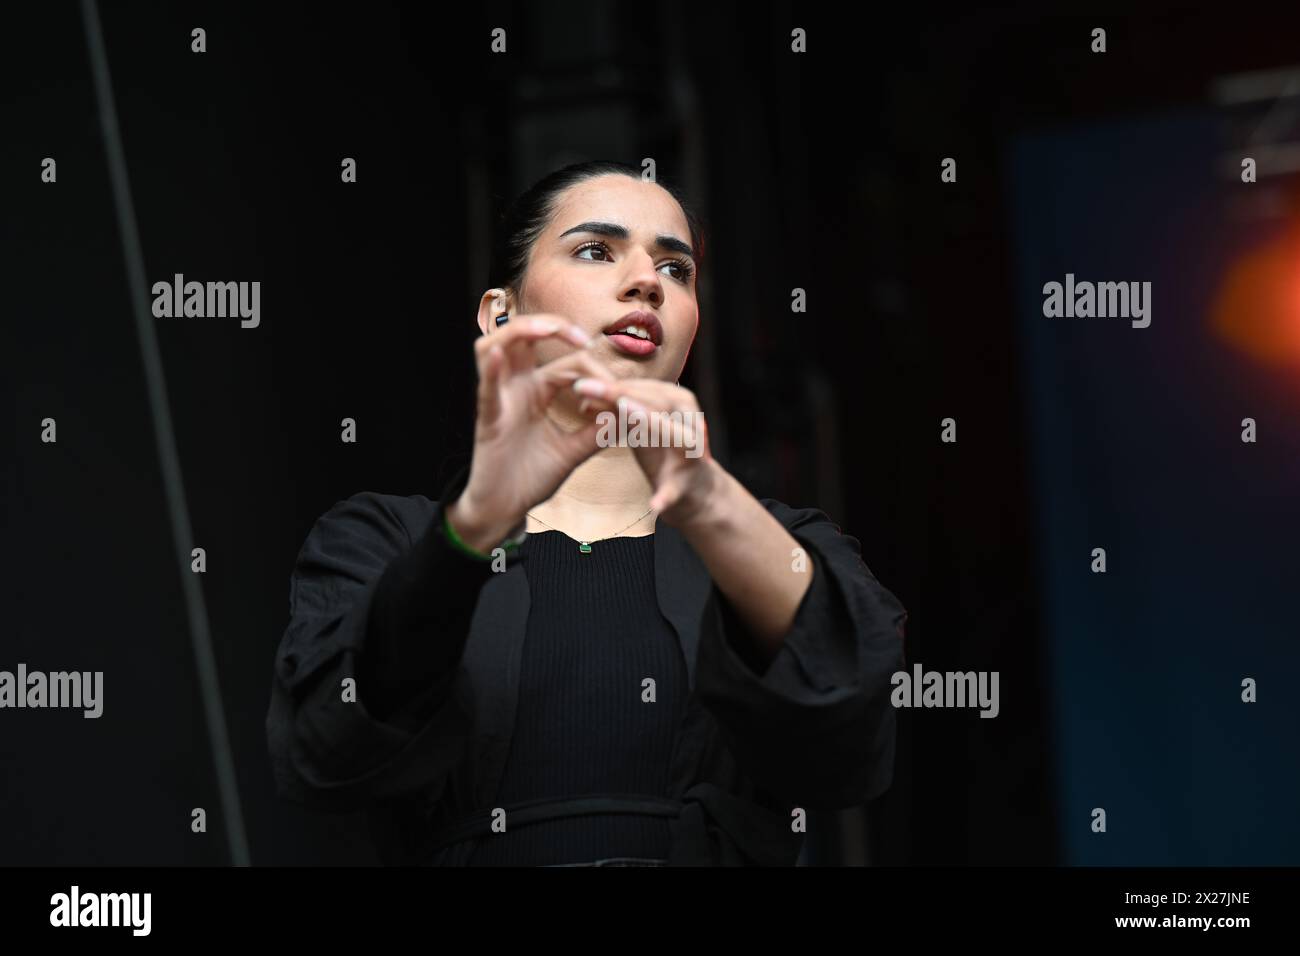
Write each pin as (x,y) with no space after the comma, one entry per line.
(615,231)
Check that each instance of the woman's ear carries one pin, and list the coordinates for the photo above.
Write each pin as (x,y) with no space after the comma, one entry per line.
(493,310)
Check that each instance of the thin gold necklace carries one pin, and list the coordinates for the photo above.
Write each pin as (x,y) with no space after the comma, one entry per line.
(585,546)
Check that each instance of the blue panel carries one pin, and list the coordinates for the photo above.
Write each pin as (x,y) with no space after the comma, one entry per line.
(1136,449)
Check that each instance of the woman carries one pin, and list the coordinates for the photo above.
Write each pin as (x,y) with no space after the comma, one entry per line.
(665,671)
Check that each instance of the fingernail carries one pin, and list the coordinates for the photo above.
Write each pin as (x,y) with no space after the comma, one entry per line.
(577,336)
(589,386)
(631,407)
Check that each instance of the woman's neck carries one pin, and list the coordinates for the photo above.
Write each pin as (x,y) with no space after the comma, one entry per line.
(601,496)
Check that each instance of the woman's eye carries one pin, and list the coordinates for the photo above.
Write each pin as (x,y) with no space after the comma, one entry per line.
(683,268)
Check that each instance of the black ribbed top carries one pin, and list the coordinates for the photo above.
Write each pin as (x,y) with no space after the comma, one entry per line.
(595,633)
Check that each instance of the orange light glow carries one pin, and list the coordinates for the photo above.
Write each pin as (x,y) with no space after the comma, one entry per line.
(1257,306)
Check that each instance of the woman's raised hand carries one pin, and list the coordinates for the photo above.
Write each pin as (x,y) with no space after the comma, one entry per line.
(677,459)
(521,456)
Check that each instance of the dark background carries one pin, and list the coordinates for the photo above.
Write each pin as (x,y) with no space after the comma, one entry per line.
(818,171)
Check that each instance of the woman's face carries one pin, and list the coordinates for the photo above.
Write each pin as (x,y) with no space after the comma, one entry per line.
(618,245)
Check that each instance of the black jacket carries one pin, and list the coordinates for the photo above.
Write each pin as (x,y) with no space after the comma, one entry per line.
(814,730)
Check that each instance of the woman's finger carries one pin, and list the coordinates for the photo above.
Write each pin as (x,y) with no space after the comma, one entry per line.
(581,361)
(495,367)
(651,393)
(679,431)
(489,385)
(581,444)
(518,339)
(615,391)
(665,496)
(564,371)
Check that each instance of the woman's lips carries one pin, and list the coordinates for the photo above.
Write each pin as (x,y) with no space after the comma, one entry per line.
(630,344)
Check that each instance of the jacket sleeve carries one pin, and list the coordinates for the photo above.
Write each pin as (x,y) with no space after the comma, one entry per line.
(389,607)
(815,728)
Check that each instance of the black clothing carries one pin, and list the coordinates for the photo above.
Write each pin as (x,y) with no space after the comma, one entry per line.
(435,643)
(582,725)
